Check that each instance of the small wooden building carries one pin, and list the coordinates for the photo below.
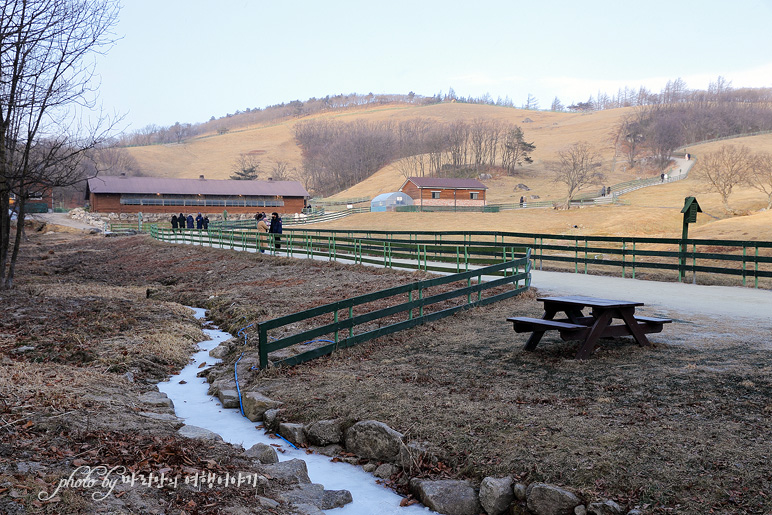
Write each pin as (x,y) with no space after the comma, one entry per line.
(434,191)
(122,194)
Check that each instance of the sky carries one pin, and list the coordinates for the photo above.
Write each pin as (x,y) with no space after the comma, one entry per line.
(188,60)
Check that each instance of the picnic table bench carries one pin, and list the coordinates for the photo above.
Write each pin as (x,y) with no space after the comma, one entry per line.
(588,329)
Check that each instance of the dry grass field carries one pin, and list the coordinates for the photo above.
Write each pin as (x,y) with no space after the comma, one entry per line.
(651,211)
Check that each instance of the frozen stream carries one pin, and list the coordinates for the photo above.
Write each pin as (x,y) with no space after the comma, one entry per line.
(196,408)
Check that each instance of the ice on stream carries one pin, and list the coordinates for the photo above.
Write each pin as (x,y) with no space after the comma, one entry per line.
(196,408)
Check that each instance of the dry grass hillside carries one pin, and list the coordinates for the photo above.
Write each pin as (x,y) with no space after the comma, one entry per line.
(652,211)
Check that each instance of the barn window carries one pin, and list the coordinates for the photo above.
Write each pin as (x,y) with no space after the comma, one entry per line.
(435,194)
(474,195)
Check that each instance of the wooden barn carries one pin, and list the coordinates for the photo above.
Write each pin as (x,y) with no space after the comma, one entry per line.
(434,191)
(122,194)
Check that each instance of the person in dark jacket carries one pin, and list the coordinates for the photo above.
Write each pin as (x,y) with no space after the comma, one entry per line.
(275,228)
(181,221)
(190,221)
(199,221)
(206,222)
(174,223)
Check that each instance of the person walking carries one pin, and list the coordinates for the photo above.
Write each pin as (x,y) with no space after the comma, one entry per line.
(262,228)
(522,201)
(275,229)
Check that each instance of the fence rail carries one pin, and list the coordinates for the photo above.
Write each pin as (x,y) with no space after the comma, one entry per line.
(417,301)
(743,262)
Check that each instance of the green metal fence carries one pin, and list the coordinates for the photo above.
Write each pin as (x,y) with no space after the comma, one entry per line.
(342,331)
(745,262)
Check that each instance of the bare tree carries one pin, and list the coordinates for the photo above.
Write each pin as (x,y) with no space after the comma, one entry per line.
(245,168)
(631,137)
(724,169)
(281,171)
(760,174)
(577,166)
(515,151)
(45,88)
(557,105)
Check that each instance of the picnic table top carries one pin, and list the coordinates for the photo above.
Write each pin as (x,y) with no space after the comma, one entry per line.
(593,302)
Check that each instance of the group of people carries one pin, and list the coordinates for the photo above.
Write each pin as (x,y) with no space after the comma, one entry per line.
(182,222)
(273,226)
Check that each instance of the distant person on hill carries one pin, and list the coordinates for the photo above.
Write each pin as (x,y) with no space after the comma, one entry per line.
(262,228)
(190,221)
(603,191)
(174,223)
(199,221)
(522,201)
(608,190)
(275,228)
(206,222)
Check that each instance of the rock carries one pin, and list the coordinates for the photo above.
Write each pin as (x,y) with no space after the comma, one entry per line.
(385,471)
(222,350)
(314,494)
(544,499)
(295,433)
(522,186)
(265,502)
(329,450)
(256,404)
(325,432)
(496,494)
(374,440)
(335,499)
(264,453)
(198,433)
(129,377)
(220,384)
(271,420)
(163,417)
(520,491)
(22,349)
(635,512)
(228,398)
(294,471)
(369,467)
(607,507)
(580,510)
(447,496)
(157,399)
(534,197)
(413,452)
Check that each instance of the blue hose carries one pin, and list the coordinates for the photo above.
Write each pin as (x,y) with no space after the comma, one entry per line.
(280,436)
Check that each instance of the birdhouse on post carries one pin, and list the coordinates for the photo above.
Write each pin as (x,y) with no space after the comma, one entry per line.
(690,210)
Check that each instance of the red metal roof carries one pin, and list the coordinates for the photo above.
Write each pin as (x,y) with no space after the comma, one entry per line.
(448,184)
(155,185)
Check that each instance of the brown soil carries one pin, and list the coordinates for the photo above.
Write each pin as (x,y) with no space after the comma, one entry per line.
(679,428)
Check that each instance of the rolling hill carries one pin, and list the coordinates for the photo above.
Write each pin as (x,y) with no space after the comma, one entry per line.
(651,211)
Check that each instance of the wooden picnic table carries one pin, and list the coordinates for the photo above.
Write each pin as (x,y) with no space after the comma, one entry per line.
(591,327)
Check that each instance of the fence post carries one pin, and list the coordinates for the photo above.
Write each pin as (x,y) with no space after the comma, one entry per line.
(744,263)
(694,264)
(624,261)
(756,269)
(262,344)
